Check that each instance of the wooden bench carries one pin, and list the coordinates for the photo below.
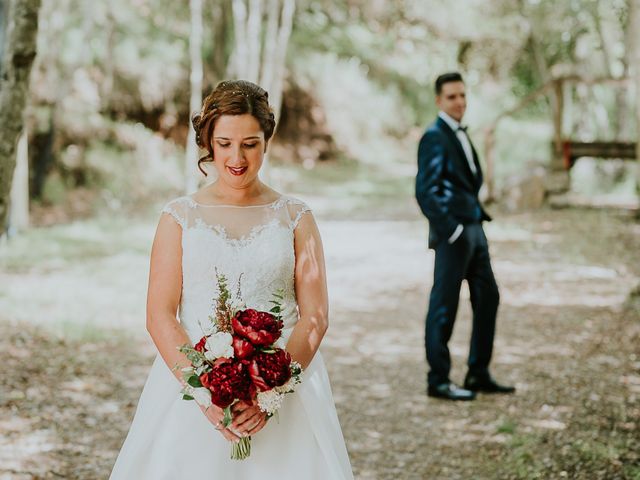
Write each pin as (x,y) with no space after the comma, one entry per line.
(571,151)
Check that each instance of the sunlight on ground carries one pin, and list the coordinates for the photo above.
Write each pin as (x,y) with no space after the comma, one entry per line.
(370,264)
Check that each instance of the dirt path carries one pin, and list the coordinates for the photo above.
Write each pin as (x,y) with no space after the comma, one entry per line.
(567,338)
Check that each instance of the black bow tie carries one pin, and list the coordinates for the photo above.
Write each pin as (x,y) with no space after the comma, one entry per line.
(463,128)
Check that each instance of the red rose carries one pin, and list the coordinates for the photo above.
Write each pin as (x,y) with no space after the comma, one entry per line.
(200,345)
(270,370)
(228,381)
(260,328)
(242,347)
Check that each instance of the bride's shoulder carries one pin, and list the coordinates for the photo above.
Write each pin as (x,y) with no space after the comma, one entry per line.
(296,208)
(184,200)
(288,200)
(292,203)
(179,208)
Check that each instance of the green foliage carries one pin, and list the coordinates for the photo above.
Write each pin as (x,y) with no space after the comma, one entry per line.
(194,381)
(54,248)
(507,426)
(111,80)
(223,309)
(277,303)
(228,417)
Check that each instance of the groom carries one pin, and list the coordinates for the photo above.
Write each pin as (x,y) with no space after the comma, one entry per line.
(449,178)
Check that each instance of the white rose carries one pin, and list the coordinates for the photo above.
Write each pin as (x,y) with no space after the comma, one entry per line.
(219,345)
(202,396)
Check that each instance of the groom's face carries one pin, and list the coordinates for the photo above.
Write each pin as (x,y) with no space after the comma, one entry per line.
(452,100)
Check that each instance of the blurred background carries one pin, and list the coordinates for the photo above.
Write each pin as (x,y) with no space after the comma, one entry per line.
(97,138)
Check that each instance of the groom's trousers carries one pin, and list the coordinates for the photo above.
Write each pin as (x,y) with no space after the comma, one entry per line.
(467,258)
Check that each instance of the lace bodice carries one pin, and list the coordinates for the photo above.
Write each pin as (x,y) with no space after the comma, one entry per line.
(251,242)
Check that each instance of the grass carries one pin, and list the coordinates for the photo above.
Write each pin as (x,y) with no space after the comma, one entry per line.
(507,426)
(56,247)
(543,455)
(571,418)
(348,189)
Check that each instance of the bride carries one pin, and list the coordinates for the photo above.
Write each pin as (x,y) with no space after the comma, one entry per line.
(262,241)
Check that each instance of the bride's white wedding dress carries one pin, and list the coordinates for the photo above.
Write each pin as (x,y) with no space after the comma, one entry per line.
(170,438)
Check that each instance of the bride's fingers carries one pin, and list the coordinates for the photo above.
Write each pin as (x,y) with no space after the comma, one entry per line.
(261,424)
(213,413)
(214,417)
(238,420)
(229,435)
(240,407)
(245,424)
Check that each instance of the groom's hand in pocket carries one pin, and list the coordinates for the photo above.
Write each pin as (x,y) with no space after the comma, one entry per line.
(248,419)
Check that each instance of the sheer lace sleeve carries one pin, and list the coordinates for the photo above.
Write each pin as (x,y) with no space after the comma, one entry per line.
(178,209)
(297,208)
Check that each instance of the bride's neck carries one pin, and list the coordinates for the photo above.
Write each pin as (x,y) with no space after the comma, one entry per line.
(227,194)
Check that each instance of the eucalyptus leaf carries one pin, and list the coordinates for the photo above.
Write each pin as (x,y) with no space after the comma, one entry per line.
(194,381)
(228,418)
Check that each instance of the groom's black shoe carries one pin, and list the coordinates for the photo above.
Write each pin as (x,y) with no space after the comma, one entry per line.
(450,391)
(486,384)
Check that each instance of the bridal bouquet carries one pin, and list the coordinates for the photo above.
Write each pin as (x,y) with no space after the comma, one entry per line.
(238,358)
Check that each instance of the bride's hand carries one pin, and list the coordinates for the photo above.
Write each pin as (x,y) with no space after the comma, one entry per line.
(248,419)
(216,416)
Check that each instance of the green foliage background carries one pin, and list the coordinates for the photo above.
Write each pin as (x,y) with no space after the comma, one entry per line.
(110,89)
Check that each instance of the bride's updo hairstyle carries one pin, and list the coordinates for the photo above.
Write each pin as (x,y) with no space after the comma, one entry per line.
(231,97)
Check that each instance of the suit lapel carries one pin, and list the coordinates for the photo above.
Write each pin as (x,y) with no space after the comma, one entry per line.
(463,156)
(476,161)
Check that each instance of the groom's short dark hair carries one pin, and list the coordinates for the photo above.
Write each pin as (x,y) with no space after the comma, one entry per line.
(447,78)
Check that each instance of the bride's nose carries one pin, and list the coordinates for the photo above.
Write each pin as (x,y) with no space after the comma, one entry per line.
(237,157)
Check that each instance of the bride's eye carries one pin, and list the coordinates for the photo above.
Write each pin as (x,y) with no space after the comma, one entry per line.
(250,145)
(224,145)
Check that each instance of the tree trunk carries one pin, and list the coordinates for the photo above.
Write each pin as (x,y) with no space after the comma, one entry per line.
(270,44)
(222,43)
(106,87)
(558,123)
(254,29)
(286,23)
(195,102)
(263,62)
(17,61)
(489,148)
(4,10)
(19,213)
(634,32)
(241,50)
(278,68)
(624,96)
(607,58)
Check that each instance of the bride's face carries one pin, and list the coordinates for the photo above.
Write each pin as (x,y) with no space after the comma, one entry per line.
(238,149)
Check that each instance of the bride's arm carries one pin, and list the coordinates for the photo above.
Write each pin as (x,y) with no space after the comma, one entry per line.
(311,292)
(163,297)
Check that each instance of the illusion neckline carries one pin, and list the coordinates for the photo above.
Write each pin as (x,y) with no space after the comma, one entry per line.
(191,199)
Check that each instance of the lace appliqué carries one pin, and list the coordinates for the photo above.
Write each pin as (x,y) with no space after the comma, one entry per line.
(296,220)
(176,216)
(255,243)
(285,201)
(243,241)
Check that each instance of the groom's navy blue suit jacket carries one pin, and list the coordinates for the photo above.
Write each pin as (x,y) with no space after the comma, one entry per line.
(446,188)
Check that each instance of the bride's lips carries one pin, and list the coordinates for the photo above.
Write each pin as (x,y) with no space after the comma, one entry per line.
(237,171)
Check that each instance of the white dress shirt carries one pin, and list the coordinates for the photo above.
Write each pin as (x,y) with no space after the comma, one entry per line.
(464,140)
(468,152)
